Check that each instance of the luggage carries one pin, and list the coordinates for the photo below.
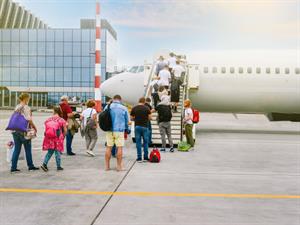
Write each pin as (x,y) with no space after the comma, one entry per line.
(154,156)
(105,121)
(196,116)
(90,122)
(17,122)
(183,146)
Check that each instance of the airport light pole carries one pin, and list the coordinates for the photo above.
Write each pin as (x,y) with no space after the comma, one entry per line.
(98,94)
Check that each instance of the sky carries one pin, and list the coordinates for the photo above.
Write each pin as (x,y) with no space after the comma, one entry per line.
(146,27)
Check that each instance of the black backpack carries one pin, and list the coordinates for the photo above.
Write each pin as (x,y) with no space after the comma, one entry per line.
(105,121)
(155,87)
(164,113)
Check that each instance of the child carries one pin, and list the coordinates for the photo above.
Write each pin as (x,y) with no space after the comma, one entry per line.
(55,131)
(188,122)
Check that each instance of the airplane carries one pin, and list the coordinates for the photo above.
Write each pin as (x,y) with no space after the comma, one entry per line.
(251,82)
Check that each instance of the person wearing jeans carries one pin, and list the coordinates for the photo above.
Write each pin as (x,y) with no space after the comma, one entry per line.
(141,115)
(141,133)
(57,158)
(66,114)
(19,137)
(19,140)
(54,143)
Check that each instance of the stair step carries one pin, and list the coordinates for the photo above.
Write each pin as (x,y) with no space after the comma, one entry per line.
(174,136)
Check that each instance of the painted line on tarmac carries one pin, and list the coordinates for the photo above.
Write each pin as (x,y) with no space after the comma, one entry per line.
(148,194)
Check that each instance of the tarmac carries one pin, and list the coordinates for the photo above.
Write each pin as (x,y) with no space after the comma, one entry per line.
(244,170)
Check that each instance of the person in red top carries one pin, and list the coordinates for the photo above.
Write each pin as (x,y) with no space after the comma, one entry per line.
(67,113)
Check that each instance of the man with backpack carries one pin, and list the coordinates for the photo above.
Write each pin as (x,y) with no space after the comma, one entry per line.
(141,115)
(119,118)
(67,114)
(164,122)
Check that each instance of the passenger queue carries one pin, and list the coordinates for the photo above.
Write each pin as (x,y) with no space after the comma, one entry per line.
(114,120)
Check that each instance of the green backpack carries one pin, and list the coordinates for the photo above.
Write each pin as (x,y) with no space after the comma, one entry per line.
(183,146)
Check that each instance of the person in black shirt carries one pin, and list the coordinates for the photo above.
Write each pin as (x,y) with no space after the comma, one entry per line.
(148,104)
(141,115)
(164,122)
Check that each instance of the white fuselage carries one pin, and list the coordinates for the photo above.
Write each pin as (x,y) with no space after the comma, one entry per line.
(236,88)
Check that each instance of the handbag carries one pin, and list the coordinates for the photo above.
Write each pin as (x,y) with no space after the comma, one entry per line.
(17,122)
(30,134)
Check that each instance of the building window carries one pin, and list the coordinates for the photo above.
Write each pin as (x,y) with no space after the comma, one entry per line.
(277,70)
(223,70)
(241,70)
(268,70)
(258,70)
(205,69)
(287,71)
(249,70)
(214,70)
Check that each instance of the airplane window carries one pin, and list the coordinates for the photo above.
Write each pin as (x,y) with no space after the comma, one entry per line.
(205,69)
(241,70)
(196,68)
(287,70)
(133,69)
(214,70)
(141,69)
(258,70)
(277,70)
(223,70)
(231,69)
(268,70)
(297,70)
(249,70)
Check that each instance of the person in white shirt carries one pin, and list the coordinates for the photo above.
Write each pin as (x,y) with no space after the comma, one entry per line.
(164,77)
(188,122)
(172,61)
(89,120)
(178,71)
(160,65)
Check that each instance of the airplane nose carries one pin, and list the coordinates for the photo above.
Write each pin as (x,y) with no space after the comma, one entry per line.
(129,86)
(105,87)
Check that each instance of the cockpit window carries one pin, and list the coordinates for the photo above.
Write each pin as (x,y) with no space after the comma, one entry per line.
(133,69)
(141,69)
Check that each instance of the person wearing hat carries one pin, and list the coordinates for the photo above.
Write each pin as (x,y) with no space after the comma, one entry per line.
(67,113)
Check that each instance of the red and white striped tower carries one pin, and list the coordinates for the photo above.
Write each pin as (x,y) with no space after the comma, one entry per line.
(98,59)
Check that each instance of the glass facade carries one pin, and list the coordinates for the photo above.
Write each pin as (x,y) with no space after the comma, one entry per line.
(52,61)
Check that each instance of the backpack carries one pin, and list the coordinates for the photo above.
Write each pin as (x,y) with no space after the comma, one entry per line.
(165,114)
(154,156)
(155,87)
(90,122)
(105,121)
(53,129)
(183,146)
(196,116)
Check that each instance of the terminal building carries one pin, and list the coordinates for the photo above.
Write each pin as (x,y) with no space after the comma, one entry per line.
(48,62)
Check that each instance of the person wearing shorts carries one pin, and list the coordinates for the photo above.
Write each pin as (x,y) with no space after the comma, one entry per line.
(120,119)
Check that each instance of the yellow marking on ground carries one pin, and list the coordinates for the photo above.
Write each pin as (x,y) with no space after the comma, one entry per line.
(148,194)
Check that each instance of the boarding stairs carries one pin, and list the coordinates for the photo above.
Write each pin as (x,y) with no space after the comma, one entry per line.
(176,122)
